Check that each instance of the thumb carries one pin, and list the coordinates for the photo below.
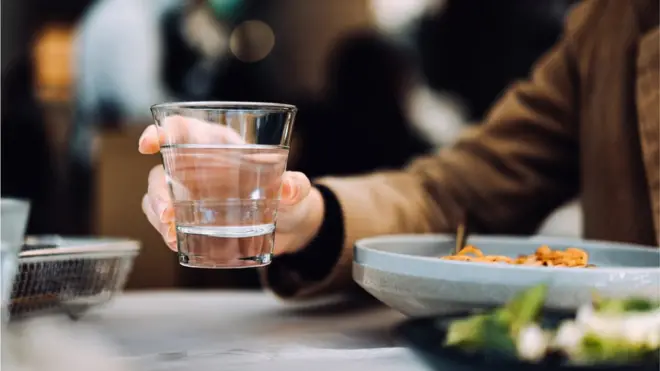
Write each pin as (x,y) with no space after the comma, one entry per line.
(295,187)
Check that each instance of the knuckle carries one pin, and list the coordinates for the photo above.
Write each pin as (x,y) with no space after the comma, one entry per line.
(156,171)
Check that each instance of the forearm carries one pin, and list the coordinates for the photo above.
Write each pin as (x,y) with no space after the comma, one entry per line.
(393,202)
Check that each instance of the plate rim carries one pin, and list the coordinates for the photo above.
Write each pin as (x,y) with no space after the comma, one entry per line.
(361,248)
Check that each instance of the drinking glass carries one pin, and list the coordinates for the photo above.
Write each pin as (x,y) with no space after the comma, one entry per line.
(224,163)
(14,214)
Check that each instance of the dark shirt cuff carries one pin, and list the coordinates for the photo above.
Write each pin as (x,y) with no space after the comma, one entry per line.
(316,261)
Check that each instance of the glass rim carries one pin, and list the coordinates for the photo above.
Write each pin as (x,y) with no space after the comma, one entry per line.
(227,105)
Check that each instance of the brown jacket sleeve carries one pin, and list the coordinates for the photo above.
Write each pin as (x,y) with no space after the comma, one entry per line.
(508,174)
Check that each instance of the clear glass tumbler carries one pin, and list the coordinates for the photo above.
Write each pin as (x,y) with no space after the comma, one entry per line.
(14,215)
(224,163)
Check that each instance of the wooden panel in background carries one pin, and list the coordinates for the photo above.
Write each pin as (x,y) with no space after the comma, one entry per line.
(121,181)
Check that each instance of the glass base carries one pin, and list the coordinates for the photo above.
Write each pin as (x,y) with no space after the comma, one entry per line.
(196,261)
(215,248)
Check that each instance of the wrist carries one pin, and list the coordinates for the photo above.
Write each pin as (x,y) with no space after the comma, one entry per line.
(315,210)
(318,242)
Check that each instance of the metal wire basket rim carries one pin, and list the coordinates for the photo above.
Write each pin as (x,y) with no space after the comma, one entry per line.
(75,257)
(112,249)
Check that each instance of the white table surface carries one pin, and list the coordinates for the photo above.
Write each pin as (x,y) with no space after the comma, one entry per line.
(224,330)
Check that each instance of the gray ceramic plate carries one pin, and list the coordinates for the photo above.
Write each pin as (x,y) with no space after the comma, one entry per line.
(404,272)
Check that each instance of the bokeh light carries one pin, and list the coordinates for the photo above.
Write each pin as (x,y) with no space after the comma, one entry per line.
(252,41)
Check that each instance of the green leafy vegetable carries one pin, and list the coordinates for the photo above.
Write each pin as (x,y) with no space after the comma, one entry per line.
(620,306)
(526,307)
(497,336)
(598,349)
(499,328)
(484,331)
(466,332)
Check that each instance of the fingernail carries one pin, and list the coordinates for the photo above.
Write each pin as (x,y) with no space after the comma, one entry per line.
(288,189)
(285,188)
(294,192)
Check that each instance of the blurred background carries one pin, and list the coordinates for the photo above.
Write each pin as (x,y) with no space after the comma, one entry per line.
(385,80)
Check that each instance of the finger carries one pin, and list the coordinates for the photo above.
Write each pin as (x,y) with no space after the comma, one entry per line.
(295,187)
(149,212)
(149,143)
(167,230)
(160,204)
(152,217)
(158,188)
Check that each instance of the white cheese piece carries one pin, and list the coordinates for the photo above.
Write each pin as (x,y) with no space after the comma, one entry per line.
(532,343)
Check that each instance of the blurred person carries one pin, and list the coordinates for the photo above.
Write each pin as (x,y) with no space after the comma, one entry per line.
(365,107)
(473,49)
(116,55)
(434,113)
(118,51)
(449,40)
(363,110)
(586,121)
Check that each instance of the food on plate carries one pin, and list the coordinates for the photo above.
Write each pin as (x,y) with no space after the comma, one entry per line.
(616,331)
(544,256)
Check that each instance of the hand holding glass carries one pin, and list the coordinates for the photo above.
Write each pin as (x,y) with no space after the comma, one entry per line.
(223,164)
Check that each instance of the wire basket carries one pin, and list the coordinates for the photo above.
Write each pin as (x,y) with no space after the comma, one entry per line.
(71,275)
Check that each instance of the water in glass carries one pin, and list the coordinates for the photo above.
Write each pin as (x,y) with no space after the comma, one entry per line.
(225,202)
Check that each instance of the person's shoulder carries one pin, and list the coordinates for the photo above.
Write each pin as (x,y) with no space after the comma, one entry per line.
(602,28)
(594,16)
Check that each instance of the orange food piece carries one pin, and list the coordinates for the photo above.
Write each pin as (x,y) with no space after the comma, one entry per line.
(544,256)
(469,249)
